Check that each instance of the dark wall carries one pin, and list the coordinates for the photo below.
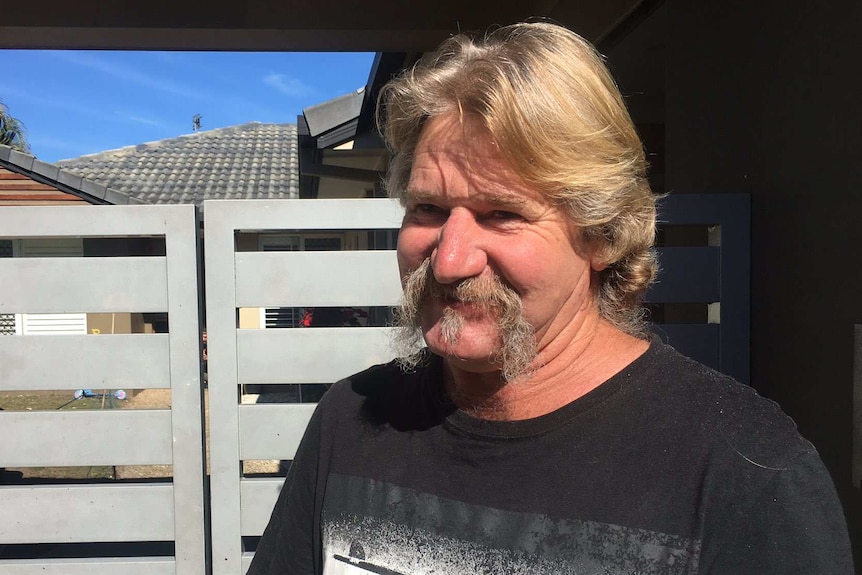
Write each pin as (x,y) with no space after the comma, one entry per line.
(764,98)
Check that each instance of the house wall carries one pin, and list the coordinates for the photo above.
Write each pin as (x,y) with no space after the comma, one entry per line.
(112,323)
(763,98)
(19,190)
(334,188)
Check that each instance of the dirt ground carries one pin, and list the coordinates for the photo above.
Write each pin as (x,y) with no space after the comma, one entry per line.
(148,399)
(161,398)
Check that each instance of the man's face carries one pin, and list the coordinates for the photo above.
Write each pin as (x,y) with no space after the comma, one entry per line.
(471,216)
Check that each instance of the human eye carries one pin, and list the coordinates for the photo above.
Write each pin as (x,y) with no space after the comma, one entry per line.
(503,215)
(427,209)
(425,213)
(502,218)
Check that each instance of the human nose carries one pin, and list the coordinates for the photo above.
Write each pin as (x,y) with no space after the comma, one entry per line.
(458,254)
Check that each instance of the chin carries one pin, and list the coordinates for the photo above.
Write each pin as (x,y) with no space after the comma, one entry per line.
(476,345)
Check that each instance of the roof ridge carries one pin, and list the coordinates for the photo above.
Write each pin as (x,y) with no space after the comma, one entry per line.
(156,143)
(63,180)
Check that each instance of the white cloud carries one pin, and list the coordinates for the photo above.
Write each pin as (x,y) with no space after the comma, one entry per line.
(145,121)
(288,85)
(125,73)
(53,102)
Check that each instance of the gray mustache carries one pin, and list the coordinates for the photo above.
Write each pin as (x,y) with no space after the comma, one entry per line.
(517,346)
(489,291)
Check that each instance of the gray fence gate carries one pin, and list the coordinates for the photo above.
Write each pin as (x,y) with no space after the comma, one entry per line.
(91,512)
(237,281)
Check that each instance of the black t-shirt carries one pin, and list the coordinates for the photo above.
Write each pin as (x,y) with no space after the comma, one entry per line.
(668,467)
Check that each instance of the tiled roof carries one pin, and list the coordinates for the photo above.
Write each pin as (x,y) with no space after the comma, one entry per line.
(253,161)
(63,180)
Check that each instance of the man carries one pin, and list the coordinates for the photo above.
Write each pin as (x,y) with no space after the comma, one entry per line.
(541,431)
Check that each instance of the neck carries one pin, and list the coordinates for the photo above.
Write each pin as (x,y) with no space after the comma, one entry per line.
(570,366)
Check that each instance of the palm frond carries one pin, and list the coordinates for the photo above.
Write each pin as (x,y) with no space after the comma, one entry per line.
(12,131)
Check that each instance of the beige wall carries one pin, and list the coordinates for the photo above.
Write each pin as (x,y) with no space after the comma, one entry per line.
(111,323)
(249,318)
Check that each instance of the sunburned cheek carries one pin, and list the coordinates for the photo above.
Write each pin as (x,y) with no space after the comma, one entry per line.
(414,245)
(546,292)
(522,270)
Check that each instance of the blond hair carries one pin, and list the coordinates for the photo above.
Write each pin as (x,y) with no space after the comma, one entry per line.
(551,106)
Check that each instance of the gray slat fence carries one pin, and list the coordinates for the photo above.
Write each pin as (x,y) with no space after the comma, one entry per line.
(104,512)
(237,279)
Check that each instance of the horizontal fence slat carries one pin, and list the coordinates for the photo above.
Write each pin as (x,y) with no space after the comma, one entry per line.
(334,214)
(697,341)
(350,278)
(272,431)
(257,497)
(91,221)
(97,437)
(68,285)
(129,361)
(246,561)
(703,209)
(309,355)
(696,276)
(86,513)
(90,566)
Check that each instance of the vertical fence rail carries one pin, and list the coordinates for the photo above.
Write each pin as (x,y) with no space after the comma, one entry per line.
(139,512)
(247,279)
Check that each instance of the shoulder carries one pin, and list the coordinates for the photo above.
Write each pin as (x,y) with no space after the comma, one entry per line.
(714,409)
(374,383)
(767,501)
(387,394)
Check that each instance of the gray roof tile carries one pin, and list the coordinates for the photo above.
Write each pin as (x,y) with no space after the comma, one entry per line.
(45,169)
(69,179)
(92,188)
(25,161)
(252,160)
(65,181)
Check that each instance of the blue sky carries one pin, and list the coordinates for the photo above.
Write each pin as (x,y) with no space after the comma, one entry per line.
(82,102)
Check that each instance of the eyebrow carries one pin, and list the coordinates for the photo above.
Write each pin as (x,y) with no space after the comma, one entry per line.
(497,200)
(417,195)
(506,201)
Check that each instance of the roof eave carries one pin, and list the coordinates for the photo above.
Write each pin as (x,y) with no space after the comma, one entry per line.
(65,181)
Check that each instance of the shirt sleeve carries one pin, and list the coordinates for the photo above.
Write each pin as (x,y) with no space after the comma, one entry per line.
(779,521)
(291,541)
